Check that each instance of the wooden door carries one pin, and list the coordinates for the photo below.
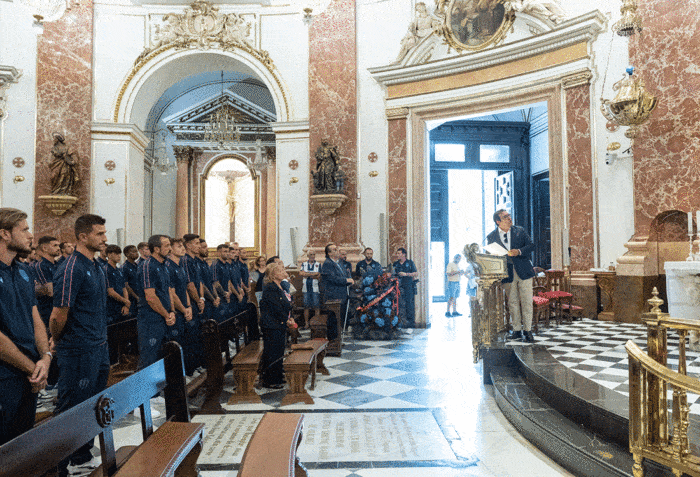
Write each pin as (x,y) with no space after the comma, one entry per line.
(541,221)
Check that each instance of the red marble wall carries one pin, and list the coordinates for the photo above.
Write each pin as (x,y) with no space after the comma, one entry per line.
(64,104)
(397,198)
(578,136)
(666,164)
(333,113)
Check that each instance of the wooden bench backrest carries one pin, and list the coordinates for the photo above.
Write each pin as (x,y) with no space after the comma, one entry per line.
(251,353)
(42,448)
(266,453)
(305,356)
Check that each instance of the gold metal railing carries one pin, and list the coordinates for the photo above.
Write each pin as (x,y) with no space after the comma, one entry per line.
(653,433)
(488,312)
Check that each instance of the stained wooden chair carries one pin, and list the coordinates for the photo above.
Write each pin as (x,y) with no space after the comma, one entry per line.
(567,307)
(557,294)
(540,303)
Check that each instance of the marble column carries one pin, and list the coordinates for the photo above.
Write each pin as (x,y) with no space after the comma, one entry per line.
(397,198)
(333,116)
(183,154)
(579,158)
(64,105)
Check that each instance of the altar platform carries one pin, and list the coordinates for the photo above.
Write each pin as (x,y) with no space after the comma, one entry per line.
(568,394)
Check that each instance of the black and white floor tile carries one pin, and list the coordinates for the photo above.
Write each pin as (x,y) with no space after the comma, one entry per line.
(596,350)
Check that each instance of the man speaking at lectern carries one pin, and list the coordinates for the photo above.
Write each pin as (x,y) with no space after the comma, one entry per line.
(518,285)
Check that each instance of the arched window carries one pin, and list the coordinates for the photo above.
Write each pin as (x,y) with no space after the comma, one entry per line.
(230,205)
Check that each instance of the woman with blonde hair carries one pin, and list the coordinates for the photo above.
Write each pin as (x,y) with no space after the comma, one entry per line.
(275,317)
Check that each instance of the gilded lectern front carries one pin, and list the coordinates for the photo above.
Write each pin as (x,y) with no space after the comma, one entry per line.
(487,308)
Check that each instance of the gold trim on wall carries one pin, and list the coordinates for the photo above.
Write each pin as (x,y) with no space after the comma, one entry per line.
(486,75)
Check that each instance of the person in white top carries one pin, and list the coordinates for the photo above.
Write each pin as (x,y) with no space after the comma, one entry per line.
(454,274)
(310,272)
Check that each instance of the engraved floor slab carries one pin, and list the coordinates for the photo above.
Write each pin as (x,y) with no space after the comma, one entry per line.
(226,437)
(373,436)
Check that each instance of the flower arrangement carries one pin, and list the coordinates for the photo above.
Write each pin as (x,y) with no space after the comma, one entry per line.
(377,316)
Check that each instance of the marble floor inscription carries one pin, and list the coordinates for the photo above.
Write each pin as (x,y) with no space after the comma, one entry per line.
(373,436)
(226,437)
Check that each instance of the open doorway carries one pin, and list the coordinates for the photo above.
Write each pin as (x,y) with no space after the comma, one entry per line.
(477,166)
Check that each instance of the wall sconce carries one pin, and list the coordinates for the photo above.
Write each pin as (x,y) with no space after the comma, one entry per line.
(293,180)
(308,18)
(373,174)
(109,181)
(18,179)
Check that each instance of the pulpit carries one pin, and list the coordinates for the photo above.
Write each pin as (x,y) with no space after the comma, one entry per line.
(488,307)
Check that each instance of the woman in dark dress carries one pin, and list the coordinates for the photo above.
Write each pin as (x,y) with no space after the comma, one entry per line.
(275,315)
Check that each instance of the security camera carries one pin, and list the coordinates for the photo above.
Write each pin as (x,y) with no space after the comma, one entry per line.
(612,156)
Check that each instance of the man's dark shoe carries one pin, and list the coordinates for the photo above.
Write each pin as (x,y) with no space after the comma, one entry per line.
(448,314)
(516,335)
(528,338)
(456,313)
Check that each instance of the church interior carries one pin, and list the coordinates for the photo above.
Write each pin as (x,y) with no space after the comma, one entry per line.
(218,117)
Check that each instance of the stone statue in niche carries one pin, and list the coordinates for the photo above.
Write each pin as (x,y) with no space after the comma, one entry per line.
(327,170)
(421,27)
(65,165)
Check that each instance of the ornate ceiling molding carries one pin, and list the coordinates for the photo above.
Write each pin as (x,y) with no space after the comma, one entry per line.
(8,75)
(202,27)
(584,28)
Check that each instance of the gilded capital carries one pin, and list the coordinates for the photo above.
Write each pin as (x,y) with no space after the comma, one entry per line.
(183,154)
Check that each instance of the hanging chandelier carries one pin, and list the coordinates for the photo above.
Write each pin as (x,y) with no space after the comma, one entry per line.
(156,152)
(221,127)
(632,105)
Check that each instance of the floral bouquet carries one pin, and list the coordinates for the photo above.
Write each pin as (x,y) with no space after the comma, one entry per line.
(377,315)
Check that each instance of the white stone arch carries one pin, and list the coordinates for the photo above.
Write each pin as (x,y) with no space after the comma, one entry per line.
(148,80)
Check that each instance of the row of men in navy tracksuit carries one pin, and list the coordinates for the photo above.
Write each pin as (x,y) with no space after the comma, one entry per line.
(176,291)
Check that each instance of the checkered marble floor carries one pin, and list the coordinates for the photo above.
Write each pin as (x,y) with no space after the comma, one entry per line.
(596,350)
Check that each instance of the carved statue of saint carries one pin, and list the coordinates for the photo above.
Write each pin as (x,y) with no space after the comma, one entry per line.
(64,167)
(422,26)
(326,168)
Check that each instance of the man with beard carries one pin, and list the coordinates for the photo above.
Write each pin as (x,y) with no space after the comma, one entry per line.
(181,300)
(25,357)
(156,311)
(368,265)
(238,262)
(67,249)
(79,324)
(44,268)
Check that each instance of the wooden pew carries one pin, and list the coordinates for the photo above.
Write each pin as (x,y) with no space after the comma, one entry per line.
(318,325)
(245,371)
(297,366)
(216,337)
(272,450)
(119,335)
(174,447)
